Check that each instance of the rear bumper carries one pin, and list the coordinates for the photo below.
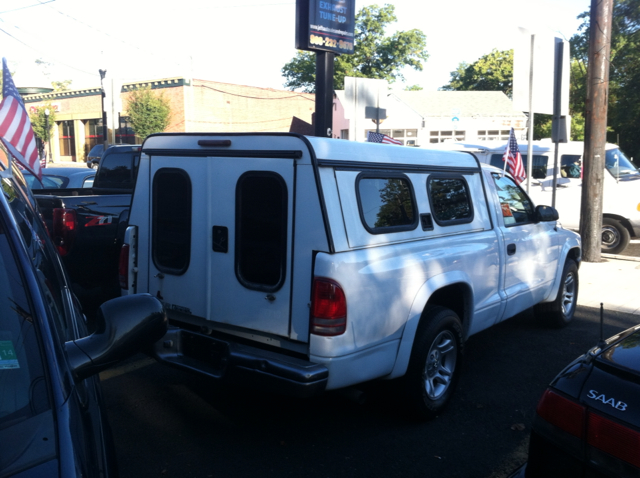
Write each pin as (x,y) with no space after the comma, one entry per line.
(223,359)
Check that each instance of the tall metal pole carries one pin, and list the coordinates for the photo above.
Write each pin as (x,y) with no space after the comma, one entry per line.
(105,139)
(324,94)
(595,128)
(48,135)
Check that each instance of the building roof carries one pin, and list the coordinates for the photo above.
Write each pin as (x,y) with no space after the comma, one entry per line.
(458,103)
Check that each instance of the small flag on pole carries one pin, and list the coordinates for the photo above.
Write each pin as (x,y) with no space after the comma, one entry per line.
(16,132)
(514,159)
(373,137)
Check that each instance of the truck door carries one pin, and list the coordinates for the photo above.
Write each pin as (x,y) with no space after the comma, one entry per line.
(221,239)
(531,248)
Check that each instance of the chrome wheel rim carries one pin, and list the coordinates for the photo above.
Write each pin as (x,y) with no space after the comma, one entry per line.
(568,294)
(610,237)
(441,364)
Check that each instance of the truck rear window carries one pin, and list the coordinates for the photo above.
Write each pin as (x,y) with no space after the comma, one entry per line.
(386,202)
(171,242)
(450,200)
(261,230)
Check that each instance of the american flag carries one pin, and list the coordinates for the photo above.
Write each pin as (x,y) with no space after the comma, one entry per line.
(514,160)
(381,138)
(16,132)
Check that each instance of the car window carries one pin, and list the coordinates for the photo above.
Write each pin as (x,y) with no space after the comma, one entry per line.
(96,150)
(386,202)
(450,200)
(538,167)
(44,259)
(116,169)
(88,182)
(22,384)
(515,204)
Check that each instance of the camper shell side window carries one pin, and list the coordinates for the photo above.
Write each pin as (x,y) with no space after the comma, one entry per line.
(386,202)
(450,199)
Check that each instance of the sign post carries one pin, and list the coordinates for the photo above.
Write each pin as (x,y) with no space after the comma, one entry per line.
(327,28)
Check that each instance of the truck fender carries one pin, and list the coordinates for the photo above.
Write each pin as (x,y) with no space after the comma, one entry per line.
(415,314)
(565,253)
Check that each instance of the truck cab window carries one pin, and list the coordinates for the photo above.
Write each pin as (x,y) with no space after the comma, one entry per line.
(450,200)
(515,204)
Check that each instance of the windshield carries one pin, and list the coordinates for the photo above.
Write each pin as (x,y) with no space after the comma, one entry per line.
(619,166)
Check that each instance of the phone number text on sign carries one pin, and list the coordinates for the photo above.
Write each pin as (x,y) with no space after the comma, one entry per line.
(331,43)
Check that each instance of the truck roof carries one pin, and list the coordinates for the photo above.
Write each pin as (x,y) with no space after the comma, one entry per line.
(324,149)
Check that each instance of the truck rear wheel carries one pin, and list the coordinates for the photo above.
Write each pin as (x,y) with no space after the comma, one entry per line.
(615,237)
(434,366)
(560,312)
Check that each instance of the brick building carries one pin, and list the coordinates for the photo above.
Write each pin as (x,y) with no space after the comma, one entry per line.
(196,106)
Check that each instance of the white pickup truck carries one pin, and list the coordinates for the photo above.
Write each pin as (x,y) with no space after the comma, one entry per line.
(308,264)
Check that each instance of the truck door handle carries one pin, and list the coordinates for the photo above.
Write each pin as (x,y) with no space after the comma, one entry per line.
(511,249)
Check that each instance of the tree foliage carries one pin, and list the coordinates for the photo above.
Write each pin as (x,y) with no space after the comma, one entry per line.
(148,112)
(491,72)
(623,117)
(375,55)
(39,121)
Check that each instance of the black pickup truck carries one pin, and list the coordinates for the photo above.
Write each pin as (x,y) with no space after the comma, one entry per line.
(87,224)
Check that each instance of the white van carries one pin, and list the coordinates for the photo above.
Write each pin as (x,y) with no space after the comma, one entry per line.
(621,198)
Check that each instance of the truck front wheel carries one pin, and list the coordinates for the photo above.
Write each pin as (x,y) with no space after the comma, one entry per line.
(615,237)
(434,366)
(560,312)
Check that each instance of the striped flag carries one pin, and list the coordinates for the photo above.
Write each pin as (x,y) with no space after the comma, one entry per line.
(16,132)
(373,137)
(514,159)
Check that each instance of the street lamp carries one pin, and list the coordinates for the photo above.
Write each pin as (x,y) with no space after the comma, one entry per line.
(103,73)
(48,133)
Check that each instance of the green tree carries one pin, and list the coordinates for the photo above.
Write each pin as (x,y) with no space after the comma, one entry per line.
(491,72)
(148,112)
(42,126)
(375,55)
(623,115)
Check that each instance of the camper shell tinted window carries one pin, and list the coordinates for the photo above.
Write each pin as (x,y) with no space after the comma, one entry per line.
(171,229)
(261,230)
(386,202)
(450,199)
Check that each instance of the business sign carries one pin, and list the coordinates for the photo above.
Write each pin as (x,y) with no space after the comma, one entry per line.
(325,25)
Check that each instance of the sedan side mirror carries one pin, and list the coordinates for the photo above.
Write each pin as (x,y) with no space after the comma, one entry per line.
(125,326)
(546,214)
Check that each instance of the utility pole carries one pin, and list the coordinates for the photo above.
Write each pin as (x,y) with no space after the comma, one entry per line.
(595,136)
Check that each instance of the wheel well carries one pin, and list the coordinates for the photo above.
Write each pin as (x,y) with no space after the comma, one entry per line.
(455,297)
(621,220)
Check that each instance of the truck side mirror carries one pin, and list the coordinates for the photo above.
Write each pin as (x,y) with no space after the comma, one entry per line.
(546,214)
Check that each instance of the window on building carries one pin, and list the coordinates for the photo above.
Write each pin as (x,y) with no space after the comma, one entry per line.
(67,138)
(450,200)
(344,134)
(125,133)
(92,134)
(171,221)
(447,135)
(494,134)
(386,202)
(261,230)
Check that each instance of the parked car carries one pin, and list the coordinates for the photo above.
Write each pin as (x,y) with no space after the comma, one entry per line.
(587,422)
(52,418)
(61,178)
(94,156)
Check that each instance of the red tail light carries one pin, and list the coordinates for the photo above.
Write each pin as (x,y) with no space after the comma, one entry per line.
(328,308)
(123,267)
(614,439)
(64,228)
(601,433)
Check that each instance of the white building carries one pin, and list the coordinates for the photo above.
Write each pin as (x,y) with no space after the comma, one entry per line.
(418,118)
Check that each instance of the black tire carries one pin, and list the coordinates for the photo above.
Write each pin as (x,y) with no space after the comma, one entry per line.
(559,313)
(615,237)
(434,365)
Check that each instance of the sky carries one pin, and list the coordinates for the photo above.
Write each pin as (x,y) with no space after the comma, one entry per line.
(243,41)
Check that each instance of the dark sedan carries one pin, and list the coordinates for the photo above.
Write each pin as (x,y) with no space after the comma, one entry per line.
(61,178)
(52,419)
(587,422)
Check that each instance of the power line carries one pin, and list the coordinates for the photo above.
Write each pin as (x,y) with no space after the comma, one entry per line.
(28,6)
